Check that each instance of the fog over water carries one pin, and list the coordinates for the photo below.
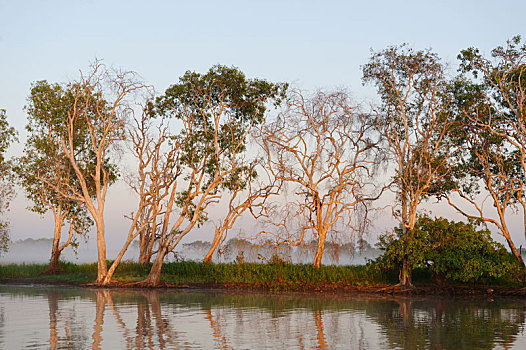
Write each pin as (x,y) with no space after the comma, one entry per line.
(39,250)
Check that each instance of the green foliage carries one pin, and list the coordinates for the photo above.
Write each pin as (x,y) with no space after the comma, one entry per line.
(414,119)
(7,135)
(397,246)
(217,109)
(456,251)
(491,109)
(4,237)
(44,171)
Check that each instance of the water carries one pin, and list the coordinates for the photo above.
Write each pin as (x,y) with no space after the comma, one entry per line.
(47,317)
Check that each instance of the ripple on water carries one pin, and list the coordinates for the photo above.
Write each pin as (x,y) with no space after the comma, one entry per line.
(40,317)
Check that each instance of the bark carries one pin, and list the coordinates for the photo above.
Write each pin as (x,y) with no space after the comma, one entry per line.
(55,250)
(513,248)
(218,238)
(143,256)
(147,242)
(102,267)
(154,277)
(319,250)
(117,261)
(507,236)
(405,271)
(405,274)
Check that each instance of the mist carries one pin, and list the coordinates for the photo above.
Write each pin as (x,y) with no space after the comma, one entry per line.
(38,251)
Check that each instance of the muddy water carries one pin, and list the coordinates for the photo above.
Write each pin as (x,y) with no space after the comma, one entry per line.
(47,317)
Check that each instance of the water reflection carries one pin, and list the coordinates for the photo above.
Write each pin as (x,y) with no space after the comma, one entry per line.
(70,318)
(451,324)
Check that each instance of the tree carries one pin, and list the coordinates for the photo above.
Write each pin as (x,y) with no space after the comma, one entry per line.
(217,110)
(245,194)
(492,110)
(44,163)
(158,170)
(100,108)
(325,150)
(7,135)
(414,120)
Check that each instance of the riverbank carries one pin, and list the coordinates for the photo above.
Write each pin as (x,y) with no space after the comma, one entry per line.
(264,277)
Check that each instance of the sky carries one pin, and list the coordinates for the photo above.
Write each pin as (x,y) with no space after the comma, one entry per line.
(311,44)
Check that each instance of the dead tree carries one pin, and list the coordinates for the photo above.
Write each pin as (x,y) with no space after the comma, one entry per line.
(245,195)
(324,150)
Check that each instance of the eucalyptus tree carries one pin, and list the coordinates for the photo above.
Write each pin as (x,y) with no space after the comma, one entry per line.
(245,193)
(100,107)
(324,150)
(44,172)
(7,135)
(158,169)
(414,119)
(492,110)
(216,112)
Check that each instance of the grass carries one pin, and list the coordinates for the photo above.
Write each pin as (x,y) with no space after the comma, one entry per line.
(283,274)
(271,276)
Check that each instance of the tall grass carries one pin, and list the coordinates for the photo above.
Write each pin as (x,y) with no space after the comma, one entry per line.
(282,274)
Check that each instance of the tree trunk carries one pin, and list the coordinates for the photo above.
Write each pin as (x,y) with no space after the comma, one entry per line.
(154,277)
(405,271)
(55,249)
(507,236)
(102,268)
(144,259)
(319,250)
(116,262)
(405,274)
(513,248)
(146,248)
(143,246)
(218,237)
(55,252)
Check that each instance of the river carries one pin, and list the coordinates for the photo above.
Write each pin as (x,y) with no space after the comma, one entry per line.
(51,317)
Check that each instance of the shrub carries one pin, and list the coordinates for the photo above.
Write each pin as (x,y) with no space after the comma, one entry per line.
(457,251)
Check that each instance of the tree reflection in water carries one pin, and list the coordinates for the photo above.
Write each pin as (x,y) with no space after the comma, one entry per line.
(322,344)
(450,324)
(64,331)
(160,319)
(220,340)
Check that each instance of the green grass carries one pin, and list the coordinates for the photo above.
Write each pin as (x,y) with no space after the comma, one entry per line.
(280,276)
(285,275)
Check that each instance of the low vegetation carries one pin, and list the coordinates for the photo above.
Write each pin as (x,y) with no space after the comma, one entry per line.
(266,276)
(277,275)
(450,251)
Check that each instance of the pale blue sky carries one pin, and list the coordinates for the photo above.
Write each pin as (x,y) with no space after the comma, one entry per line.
(310,43)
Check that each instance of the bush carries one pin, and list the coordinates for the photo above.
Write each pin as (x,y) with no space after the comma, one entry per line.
(457,251)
